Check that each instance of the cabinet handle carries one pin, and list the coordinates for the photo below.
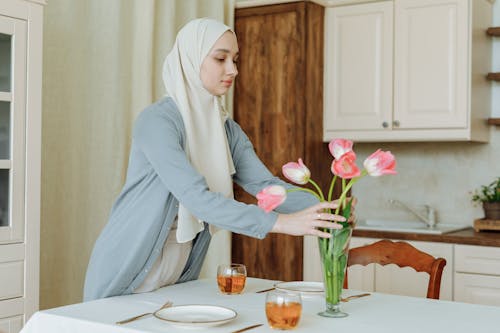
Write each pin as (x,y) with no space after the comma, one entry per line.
(396,123)
(385,124)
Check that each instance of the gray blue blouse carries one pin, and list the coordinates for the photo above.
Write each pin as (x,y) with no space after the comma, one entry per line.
(159,176)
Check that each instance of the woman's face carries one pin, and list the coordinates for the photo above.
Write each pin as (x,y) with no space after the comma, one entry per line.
(218,69)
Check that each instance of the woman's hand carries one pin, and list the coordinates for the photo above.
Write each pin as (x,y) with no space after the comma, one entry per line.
(307,221)
(352,217)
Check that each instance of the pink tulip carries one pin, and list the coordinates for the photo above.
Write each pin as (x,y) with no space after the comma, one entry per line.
(296,172)
(380,163)
(271,197)
(339,147)
(345,167)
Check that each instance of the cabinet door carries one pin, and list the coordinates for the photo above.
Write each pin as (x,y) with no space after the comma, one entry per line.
(358,67)
(12,122)
(477,259)
(477,289)
(430,79)
(269,105)
(11,325)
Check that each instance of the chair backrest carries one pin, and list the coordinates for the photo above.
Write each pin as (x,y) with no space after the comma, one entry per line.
(402,254)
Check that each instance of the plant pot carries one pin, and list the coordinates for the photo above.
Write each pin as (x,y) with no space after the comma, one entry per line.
(491,210)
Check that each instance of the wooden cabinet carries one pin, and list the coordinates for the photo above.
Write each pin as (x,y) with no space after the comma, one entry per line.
(392,279)
(278,103)
(477,274)
(427,85)
(20,129)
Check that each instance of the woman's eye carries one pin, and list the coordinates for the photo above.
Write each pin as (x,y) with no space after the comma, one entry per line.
(220,59)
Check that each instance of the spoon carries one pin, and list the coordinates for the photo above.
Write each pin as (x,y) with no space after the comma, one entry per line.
(128,320)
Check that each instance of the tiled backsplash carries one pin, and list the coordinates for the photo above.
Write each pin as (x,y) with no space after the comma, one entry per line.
(439,174)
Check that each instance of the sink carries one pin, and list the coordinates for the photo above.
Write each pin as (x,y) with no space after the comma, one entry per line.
(407,226)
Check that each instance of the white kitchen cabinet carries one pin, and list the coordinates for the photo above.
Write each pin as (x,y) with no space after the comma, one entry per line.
(427,85)
(477,274)
(392,279)
(11,325)
(20,136)
(358,66)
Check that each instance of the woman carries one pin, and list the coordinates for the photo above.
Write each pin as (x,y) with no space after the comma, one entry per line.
(185,154)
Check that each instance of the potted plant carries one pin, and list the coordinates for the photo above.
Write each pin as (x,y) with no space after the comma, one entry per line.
(489,196)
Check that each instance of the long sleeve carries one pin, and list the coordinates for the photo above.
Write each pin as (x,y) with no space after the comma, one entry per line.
(252,175)
(159,137)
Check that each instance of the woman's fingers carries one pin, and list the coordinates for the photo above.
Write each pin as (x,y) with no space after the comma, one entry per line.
(323,225)
(320,233)
(323,205)
(353,200)
(328,217)
(326,225)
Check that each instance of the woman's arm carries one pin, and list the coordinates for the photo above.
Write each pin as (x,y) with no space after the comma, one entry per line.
(158,134)
(252,175)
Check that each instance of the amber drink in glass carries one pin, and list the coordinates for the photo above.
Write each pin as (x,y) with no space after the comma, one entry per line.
(231,278)
(283,309)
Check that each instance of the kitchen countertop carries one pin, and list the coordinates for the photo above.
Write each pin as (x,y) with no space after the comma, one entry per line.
(466,237)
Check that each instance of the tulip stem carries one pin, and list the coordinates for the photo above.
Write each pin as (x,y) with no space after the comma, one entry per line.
(295,189)
(322,198)
(330,190)
(346,189)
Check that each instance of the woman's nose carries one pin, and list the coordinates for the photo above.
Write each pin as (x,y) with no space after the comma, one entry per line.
(232,69)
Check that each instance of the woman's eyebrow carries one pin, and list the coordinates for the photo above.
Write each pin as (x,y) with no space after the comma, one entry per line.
(225,51)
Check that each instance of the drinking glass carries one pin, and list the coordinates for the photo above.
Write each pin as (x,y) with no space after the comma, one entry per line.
(231,278)
(283,309)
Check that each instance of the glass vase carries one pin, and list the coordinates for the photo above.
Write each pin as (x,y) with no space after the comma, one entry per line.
(334,253)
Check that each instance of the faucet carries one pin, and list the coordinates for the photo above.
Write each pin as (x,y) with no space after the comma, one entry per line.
(430,220)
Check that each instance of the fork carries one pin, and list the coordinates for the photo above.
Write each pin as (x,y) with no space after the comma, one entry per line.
(128,320)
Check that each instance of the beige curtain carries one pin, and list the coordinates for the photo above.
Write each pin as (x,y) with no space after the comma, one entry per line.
(102,66)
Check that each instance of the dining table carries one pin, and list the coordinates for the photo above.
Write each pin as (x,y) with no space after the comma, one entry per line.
(378,312)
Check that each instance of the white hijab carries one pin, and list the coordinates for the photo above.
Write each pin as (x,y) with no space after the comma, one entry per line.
(203,115)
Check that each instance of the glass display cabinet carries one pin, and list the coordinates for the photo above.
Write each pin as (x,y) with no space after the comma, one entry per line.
(20,151)
(12,124)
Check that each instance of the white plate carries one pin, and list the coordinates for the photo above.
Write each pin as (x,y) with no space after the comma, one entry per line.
(306,288)
(196,315)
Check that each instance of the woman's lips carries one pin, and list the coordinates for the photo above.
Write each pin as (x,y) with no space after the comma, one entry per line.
(227,83)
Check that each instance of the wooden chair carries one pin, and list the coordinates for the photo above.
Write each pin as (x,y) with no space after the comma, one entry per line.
(402,254)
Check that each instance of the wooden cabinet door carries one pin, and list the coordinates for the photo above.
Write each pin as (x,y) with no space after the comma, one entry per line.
(431,70)
(278,104)
(269,106)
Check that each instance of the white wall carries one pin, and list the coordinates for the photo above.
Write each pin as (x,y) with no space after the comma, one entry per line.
(440,174)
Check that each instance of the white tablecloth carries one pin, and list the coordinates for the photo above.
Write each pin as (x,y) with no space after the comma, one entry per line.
(375,313)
